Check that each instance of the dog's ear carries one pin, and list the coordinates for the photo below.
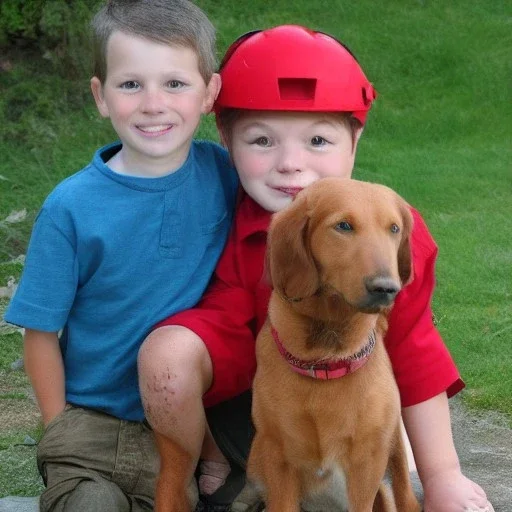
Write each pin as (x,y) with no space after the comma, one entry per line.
(292,269)
(405,269)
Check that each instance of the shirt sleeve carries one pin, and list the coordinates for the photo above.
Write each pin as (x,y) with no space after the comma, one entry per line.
(49,281)
(422,364)
(225,319)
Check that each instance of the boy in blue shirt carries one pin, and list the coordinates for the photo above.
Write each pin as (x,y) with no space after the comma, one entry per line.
(130,239)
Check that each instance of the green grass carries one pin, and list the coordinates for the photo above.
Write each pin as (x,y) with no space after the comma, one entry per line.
(440,134)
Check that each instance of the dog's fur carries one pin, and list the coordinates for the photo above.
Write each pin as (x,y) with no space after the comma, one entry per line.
(332,287)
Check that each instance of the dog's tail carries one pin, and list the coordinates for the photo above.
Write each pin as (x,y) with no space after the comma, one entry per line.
(403,492)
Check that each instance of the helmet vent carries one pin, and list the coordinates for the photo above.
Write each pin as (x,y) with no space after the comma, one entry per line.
(369,94)
(297,88)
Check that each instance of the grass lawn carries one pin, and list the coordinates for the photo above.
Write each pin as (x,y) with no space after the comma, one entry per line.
(440,134)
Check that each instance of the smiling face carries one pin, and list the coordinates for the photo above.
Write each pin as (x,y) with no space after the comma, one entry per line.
(154,96)
(277,154)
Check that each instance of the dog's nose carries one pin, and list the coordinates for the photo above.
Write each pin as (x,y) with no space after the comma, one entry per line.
(382,290)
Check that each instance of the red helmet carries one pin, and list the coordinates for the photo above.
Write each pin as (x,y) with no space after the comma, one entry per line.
(293,68)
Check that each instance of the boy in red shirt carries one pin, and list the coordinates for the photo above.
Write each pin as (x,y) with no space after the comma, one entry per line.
(291,110)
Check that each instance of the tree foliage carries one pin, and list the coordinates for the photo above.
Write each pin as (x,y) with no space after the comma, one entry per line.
(57,29)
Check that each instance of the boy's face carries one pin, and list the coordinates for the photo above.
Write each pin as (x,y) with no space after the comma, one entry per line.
(154,96)
(277,154)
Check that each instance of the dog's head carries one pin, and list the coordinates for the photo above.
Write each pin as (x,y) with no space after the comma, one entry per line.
(342,237)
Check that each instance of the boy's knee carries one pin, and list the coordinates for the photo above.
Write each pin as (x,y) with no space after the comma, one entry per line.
(94,495)
(174,366)
(170,345)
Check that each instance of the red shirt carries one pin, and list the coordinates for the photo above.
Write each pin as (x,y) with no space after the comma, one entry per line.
(234,308)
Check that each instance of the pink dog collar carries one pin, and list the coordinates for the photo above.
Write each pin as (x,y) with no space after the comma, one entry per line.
(326,369)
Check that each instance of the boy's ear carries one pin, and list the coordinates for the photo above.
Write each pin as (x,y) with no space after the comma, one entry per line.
(212,91)
(357,135)
(97,92)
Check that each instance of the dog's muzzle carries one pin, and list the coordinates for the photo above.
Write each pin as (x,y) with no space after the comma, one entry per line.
(380,292)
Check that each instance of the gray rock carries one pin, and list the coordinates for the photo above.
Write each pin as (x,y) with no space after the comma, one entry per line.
(18,504)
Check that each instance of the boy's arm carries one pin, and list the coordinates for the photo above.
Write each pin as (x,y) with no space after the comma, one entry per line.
(422,364)
(445,488)
(223,321)
(426,376)
(45,368)
(226,319)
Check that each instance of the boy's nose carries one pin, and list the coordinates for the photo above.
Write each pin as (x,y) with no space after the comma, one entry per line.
(290,161)
(152,102)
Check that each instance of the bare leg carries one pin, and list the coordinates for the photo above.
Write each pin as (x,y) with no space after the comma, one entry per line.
(214,467)
(174,477)
(175,370)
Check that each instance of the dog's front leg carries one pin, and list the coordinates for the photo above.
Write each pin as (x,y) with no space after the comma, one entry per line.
(364,476)
(401,480)
(268,468)
(283,490)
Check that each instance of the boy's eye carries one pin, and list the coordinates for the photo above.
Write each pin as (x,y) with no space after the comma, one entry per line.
(264,142)
(317,140)
(130,85)
(175,84)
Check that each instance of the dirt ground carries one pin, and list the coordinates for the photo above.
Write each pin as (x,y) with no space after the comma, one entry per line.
(18,415)
(484,444)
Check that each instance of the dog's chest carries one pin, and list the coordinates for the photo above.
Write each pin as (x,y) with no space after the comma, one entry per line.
(332,495)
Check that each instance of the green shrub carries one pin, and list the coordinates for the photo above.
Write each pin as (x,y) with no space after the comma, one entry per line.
(66,35)
(32,103)
(51,79)
(57,29)
(20,20)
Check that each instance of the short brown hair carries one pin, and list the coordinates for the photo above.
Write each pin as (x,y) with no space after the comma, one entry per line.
(171,22)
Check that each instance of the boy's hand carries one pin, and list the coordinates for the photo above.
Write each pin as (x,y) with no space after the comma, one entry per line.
(451,491)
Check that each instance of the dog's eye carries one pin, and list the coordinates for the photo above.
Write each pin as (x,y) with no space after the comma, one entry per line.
(344,226)
(394,228)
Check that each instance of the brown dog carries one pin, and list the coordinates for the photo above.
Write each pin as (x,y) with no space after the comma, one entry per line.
(325,399)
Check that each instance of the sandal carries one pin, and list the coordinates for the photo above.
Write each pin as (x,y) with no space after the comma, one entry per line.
(229,497)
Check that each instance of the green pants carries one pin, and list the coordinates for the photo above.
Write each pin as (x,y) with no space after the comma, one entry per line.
(92,461)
